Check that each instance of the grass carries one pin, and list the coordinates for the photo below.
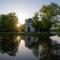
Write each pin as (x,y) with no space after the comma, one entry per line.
(25,33)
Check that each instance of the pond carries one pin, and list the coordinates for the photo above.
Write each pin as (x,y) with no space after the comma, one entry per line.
(16,47)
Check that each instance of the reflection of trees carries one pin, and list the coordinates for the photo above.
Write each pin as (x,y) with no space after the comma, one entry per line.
(44,49)
(9,45)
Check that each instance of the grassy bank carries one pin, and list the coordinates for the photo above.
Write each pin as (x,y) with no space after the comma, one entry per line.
(24,33)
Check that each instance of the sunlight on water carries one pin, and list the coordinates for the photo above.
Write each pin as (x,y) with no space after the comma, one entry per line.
(18,37)
(24,52)
(22,48)
(22,43)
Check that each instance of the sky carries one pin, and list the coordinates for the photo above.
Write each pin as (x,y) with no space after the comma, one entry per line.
(23,8)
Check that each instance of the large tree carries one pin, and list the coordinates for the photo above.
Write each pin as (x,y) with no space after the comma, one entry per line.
(50,12)
(8,22)
(48,15)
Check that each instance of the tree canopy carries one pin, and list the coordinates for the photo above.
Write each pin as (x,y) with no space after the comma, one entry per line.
(46,17)
(8,22)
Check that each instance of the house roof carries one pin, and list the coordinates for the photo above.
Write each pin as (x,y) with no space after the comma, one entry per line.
(29,20)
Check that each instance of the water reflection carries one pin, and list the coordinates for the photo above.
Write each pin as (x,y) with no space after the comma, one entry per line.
(9,44)
(29,47)
(43,47)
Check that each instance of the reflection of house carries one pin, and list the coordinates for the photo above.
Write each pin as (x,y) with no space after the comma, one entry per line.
(29,40)
(28,25)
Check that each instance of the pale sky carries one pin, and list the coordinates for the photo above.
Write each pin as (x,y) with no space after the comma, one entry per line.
(23,8)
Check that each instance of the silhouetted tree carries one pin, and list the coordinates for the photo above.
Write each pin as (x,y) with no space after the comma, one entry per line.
(8,22)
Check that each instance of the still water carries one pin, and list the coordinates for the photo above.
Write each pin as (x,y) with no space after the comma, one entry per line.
(14,47)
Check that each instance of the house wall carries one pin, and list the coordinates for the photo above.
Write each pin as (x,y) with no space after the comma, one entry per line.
(31,28)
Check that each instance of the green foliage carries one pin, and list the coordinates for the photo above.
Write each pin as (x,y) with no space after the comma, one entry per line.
(37,24)
(45,24)
(46,17)
(58,30)
(51,12)
(8,22)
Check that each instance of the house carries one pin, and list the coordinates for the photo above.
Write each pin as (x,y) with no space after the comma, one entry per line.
(28,25)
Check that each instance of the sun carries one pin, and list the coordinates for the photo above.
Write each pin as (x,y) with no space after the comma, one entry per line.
(18,25)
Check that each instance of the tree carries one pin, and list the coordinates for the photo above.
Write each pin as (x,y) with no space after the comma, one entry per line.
(50,13)
(46,17)
(9,22)
(36,22)
(45,24)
